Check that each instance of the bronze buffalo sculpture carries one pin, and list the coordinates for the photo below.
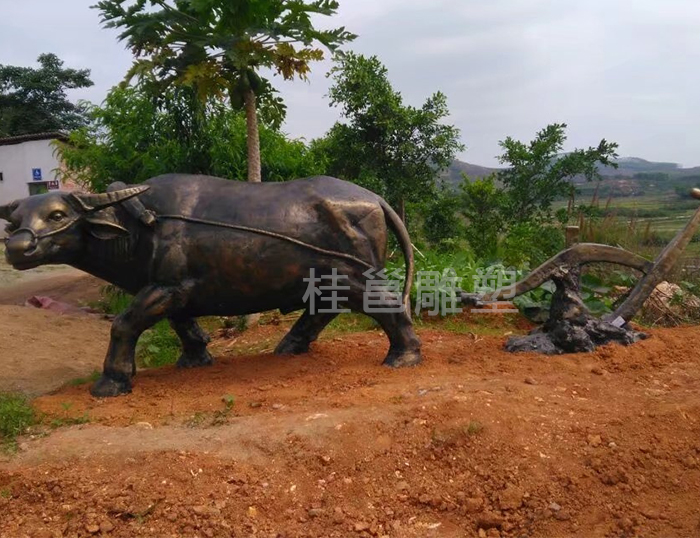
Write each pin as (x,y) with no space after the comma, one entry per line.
(187,246)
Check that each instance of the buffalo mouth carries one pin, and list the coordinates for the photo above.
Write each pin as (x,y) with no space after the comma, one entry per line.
(29,260)
(24,265)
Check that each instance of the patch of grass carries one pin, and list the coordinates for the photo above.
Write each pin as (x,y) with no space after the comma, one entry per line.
(16,415)
(352,323)
(78,381)
(474,427)
(221,417)
(196,420)
(158,346)
(70,421)
(113,301)
(5,493)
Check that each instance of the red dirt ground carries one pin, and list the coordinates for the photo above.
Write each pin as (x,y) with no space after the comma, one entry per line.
(474,442)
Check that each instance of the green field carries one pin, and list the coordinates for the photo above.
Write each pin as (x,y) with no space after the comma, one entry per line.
(640,223)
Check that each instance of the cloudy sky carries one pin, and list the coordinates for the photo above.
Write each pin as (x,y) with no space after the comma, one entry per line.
(625,70)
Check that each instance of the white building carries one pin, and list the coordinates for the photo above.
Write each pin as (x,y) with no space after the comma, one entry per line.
(28,166)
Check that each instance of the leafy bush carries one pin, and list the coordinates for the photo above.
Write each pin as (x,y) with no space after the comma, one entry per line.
(16,415)
(158,346)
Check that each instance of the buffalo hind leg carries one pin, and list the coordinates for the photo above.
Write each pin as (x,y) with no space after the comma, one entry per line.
(194,343)
(404,345)
(149,306)
(305,330)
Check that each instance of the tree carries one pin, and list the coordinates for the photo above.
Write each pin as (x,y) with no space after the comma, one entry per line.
(134,136)
(538,172)
(481,204)
(34,100)
(510,214)
(395,149)
(219,47)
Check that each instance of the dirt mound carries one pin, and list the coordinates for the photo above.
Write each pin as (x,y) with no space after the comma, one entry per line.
(474,441)
(40,351)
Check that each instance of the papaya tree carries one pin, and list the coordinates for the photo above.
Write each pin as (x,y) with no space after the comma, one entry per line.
(223,49)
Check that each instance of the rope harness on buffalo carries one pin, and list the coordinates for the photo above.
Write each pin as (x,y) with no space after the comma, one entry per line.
(268,233)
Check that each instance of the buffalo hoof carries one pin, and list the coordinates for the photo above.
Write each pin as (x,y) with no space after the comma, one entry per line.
(194,360)
(106,387)
(292,347)
(397,359)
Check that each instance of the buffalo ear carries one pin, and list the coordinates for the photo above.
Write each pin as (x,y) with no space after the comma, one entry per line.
(105,225)
(7,210)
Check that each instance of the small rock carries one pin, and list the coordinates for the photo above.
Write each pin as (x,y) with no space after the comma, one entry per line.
(554,507)
(530,381)
(594,440)
(277,406)
(597,371)
(106,526)
(316,512)
(490,521)
(402,486)
(424,499)
(255,405)
(92,528)
(361,526)
(473,505)
(562,515)
(511,498)
(690,462)
(651,513)
(482,533)
(144,425)
(171,516)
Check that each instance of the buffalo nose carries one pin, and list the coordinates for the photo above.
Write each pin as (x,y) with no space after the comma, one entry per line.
(20,243)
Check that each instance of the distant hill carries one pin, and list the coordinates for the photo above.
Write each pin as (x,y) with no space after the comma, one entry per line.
(453,175)
(632,168)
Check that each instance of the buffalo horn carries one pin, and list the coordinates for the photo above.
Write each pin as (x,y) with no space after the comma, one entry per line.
(94,202)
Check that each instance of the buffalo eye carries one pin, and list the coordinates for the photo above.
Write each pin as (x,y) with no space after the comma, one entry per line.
(57,216)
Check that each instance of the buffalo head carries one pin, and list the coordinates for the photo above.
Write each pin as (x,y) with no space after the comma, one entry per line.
(50,228)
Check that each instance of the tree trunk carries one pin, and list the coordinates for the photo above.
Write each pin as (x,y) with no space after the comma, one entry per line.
(253,137)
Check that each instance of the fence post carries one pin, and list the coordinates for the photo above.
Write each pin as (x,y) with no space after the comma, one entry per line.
(572,235)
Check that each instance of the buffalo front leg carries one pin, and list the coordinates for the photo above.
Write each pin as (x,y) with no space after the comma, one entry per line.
(303,332)
(149,306)
(194,343)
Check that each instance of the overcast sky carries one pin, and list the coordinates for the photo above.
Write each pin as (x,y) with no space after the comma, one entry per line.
(625,70)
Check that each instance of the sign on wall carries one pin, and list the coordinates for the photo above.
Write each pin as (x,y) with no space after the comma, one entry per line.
(53,185)
(36,174)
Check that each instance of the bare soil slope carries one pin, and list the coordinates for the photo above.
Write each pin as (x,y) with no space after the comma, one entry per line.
(475,441)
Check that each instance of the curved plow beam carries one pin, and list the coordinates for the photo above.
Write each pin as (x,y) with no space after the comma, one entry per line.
(578,255)
(662,265)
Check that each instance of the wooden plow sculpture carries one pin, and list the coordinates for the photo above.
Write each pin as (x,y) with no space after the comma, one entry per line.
(571,327)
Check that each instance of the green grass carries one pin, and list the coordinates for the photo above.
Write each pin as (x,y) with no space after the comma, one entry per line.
(78,381)
(474,427)
(351,323)
(158,346)
(16,415)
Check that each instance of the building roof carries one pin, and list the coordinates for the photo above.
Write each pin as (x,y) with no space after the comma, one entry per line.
(52,135)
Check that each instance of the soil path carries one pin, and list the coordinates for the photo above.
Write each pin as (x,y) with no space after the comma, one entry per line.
(475,441)
(40,351)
